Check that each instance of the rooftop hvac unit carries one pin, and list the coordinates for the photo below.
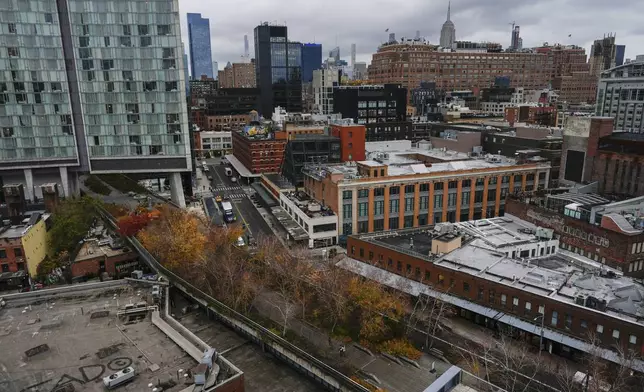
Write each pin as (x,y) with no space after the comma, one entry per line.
(580,300)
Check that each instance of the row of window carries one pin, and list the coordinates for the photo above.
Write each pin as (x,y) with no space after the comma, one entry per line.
(493,298)
(16,251)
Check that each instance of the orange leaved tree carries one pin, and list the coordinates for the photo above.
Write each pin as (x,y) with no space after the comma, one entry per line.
(175,239)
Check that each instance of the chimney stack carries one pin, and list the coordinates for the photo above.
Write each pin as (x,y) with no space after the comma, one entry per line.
(14,195)
(51,196)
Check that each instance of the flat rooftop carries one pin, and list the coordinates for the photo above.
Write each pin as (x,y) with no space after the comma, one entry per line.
(86,341)
(488,251)
(310,207)
(412,161)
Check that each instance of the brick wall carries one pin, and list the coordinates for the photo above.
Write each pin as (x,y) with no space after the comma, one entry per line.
(488,293)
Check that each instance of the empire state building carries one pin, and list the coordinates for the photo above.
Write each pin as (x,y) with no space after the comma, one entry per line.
(448,32)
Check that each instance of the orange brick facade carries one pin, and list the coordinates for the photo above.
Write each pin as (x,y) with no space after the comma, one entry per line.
(352,141)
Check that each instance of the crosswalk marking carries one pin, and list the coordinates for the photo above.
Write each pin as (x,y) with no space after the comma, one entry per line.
(237,196)
(229,188)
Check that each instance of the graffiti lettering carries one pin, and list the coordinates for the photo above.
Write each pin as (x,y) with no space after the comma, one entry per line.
(91,372)
(117,364)
(588,237)
(88,373)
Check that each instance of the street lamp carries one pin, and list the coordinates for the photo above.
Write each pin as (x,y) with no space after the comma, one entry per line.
(543,318)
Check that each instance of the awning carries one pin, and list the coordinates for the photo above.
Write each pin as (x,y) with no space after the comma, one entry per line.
(264,194)
(239,167)
(415,288)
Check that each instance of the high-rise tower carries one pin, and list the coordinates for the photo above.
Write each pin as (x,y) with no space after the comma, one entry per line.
(105,95)
(448,32)
(278,69)
(353,55)
(199,44)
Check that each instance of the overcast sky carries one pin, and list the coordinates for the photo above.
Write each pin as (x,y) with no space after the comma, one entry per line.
(364,22)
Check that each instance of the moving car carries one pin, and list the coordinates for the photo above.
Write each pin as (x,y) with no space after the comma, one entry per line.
(218,199)
(229,171)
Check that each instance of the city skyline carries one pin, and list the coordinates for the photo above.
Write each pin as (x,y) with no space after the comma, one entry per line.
(545,21)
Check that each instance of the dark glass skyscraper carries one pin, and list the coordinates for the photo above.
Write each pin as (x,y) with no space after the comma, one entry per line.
(311,60)
(278,68)
(200,50)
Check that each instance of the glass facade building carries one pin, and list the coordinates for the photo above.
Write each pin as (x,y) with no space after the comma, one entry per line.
(35,111)
(278,69)
(91,86)
(311,60)
(200,50)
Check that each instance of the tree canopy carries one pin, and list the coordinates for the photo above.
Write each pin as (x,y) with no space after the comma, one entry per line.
(71,221)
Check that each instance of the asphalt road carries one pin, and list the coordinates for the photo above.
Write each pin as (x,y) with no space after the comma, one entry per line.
(254,221)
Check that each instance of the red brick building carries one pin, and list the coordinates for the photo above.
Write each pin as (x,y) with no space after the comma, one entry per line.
(259,154)
(621,248)
(93,259)
(540,115)
(352,141)
(507,275)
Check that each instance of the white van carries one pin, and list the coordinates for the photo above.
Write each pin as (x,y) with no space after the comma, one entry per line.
(119,378)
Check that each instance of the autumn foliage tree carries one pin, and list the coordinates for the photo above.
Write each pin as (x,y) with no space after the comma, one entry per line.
(175,239)
(130,225)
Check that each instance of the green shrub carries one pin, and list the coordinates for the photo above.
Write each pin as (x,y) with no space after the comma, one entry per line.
(97,186)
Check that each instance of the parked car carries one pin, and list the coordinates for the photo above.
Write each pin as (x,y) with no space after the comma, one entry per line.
(240,242)
(219,199)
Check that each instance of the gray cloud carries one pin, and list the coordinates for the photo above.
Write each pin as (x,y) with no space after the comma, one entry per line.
(363,22)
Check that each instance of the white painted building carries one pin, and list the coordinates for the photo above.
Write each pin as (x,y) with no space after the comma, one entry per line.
(216,142)
(319,222)
(323,82)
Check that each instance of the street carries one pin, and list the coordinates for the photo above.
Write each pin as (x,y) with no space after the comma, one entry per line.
(243,207)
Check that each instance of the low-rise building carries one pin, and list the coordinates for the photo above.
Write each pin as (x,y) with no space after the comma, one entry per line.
(308,149)
(24,246)
(212,143)
(610,233)
(238,75)
(531,114)
(417,187)
(512,277)
(318,221)
(256,150)
(104,255)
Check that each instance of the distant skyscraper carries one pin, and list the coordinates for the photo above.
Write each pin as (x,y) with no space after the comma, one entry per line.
(353,55)
(417,34)
(392,37)
(620,51)
(185,69)
(335,54)
(311,60)
(246,52)
(200,50)
(278,69)
(520,43)
(448,32)
(603,55)
(215,69)
(514,43)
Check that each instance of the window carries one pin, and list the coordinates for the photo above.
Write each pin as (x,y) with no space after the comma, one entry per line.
(347,211)
(465,198)
(399,266)
(394,206)
(528,307)
(49,18)
(616,333)
(12,28)
(363,193)
(145,42)
(361,252)
(3,254)
(13,52)
(163,30)
(466,287)
(409,189)
(379,207)
(394,190)
(479,296)
(632,339)
(568,323)
(438,186)
(424,202)
(363,209)
(83,42)
(424,187)
(555,318)
(347,195)
(17,252)
(378,192)
(491,296)
(409,204)
(583,324)
(370,255)
(438,201)
(542,309)
(427,275)
(441,279)
(515,302)
(504,299)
